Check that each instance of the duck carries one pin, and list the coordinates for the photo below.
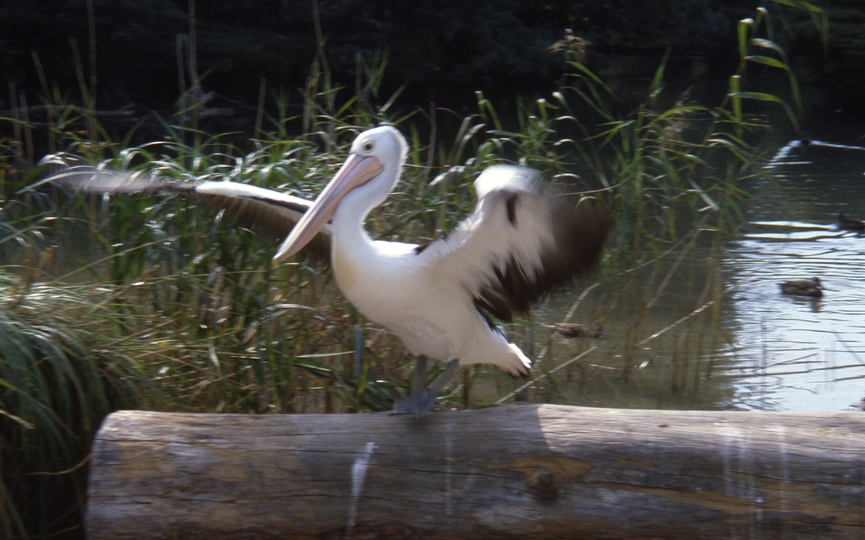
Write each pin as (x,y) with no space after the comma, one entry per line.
(849,224)
(803,287)
(577,330)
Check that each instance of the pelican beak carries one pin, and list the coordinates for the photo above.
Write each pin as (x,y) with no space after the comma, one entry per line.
(355,172)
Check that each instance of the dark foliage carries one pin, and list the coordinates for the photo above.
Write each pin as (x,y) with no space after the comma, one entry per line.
(438,48)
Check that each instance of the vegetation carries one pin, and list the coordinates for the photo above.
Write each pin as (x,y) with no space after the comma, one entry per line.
(462,44)
(472,43)
(155,303)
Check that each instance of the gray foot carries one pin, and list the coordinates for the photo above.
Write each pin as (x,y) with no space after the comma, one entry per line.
(418,403)
(422,399)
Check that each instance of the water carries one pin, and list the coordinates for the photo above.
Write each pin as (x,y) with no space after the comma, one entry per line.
(768,351)
(813,350)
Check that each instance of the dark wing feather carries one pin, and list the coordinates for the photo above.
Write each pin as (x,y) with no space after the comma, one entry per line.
(89,179)
(579,229)
(520,241)
(270,211)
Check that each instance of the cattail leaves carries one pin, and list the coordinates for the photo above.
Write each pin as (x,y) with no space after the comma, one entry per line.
(774,57)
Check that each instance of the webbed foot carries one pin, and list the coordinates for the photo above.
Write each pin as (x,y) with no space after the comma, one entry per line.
(418,403)
(422,399)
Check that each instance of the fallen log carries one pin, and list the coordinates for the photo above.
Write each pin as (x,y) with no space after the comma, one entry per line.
(521,471)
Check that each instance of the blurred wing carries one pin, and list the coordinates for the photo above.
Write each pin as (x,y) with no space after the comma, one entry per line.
(272,211)
(252,206)
(519,242)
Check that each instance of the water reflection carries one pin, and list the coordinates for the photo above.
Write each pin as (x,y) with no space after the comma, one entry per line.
(755,348)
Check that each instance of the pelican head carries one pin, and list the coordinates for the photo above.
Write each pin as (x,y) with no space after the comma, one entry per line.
(369,175)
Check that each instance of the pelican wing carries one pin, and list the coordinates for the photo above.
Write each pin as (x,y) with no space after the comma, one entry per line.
(273,212)
(519,242)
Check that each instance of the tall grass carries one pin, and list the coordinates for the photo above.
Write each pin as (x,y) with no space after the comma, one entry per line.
(155,302)
(56,385)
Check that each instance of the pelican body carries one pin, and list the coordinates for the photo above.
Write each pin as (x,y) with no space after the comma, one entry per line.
(435,297)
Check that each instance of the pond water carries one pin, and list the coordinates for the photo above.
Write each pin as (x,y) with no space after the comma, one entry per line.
(755,349)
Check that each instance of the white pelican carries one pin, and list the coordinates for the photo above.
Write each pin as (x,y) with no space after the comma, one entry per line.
(517,244)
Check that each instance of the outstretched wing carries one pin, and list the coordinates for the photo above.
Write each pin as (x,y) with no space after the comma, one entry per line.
(271,211)
(519,242)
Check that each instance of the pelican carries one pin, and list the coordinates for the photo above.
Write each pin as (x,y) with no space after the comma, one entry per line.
(517,244)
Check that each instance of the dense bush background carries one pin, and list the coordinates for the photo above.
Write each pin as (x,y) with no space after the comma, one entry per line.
(441,50)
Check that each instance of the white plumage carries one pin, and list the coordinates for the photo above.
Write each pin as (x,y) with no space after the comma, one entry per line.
(433,296)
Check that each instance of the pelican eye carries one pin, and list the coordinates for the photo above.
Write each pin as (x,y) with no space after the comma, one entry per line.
(367,146)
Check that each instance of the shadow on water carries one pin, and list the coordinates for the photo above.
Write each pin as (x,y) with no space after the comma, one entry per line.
(755,349)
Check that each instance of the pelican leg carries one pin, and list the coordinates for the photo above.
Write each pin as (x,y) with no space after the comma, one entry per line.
(420,369)
(422,399)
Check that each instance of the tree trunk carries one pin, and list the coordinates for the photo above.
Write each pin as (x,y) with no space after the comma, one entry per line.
(521,471)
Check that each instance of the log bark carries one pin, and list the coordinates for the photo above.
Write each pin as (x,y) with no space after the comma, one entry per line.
(521,471)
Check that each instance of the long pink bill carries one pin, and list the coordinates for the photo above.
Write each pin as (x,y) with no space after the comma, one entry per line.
(355,172)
